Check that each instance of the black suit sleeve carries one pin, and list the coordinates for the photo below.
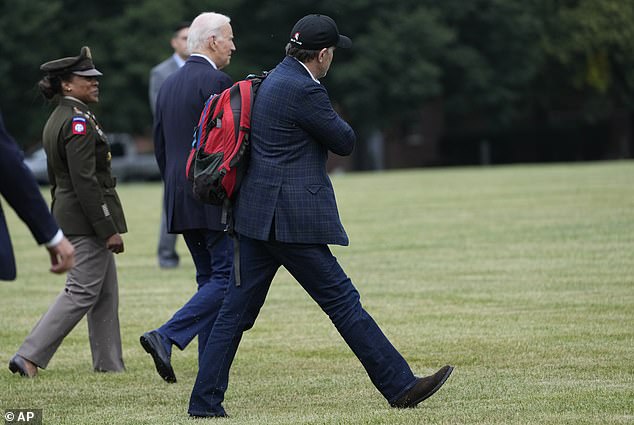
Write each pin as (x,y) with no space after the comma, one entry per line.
(19,188)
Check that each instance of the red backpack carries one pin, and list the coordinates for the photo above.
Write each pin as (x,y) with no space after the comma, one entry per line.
(220,149)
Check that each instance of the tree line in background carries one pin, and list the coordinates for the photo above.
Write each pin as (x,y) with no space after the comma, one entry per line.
(495,66)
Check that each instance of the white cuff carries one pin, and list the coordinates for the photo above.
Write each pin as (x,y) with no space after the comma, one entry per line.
(56,239)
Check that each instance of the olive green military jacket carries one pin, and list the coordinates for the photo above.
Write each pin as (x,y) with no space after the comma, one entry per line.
(78,155)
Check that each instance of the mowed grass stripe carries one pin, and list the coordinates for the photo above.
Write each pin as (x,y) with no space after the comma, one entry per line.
(521,276)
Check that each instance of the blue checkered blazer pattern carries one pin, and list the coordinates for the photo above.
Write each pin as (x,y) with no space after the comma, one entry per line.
(293,126)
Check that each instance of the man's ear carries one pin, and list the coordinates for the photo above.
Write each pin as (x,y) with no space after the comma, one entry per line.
(322,53)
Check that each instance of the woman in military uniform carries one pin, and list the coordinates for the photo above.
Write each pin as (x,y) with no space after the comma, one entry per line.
(87,208)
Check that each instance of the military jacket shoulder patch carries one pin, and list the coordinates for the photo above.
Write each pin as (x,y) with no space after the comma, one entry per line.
(79,125)
(88,115)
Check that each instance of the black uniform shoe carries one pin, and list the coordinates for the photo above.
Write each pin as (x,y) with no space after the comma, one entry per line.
(19,364)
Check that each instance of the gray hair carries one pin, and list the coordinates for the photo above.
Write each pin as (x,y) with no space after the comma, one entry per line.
(205,25)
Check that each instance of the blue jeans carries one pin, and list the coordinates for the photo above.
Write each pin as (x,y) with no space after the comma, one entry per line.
(319,273)
(212,254)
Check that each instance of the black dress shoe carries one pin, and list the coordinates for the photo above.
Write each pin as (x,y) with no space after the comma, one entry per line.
(152,342)
(18,364)
(424,388)
(215,415)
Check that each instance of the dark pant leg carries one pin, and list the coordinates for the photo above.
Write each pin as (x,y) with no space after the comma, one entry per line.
(239,310)
(166,250)
(318,271)
(212,254)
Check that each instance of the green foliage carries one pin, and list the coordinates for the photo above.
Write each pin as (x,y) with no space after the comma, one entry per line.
(394,65)
(490,61)
(592,43)
(25,39)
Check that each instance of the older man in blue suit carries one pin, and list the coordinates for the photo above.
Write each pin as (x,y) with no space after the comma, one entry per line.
(166,251)
(19,188)
(179,104)
(286,215)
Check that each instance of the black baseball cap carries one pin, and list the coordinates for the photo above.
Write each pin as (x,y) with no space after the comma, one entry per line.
(315,32)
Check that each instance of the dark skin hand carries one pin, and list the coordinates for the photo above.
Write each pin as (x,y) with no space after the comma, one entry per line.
(115,243)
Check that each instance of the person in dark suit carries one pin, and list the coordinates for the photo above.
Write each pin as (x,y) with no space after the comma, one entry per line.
(160,72)
(286,215)
(19,188)
(166,250)
(180,102)
(88,209)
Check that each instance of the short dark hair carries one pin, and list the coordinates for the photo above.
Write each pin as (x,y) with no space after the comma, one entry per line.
(301,55)
(182,25)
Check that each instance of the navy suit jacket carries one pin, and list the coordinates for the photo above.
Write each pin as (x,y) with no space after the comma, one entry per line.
(19,188)
(180,101)
(293,126)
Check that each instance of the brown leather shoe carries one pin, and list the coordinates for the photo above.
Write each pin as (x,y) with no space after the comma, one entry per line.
(25,367)
(423,388)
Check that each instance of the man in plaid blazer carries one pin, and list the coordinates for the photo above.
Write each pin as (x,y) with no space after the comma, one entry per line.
(286,215)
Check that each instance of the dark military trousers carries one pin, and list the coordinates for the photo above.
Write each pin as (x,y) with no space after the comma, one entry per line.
(91,290)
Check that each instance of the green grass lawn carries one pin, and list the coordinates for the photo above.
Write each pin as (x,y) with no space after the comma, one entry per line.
(522,277)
